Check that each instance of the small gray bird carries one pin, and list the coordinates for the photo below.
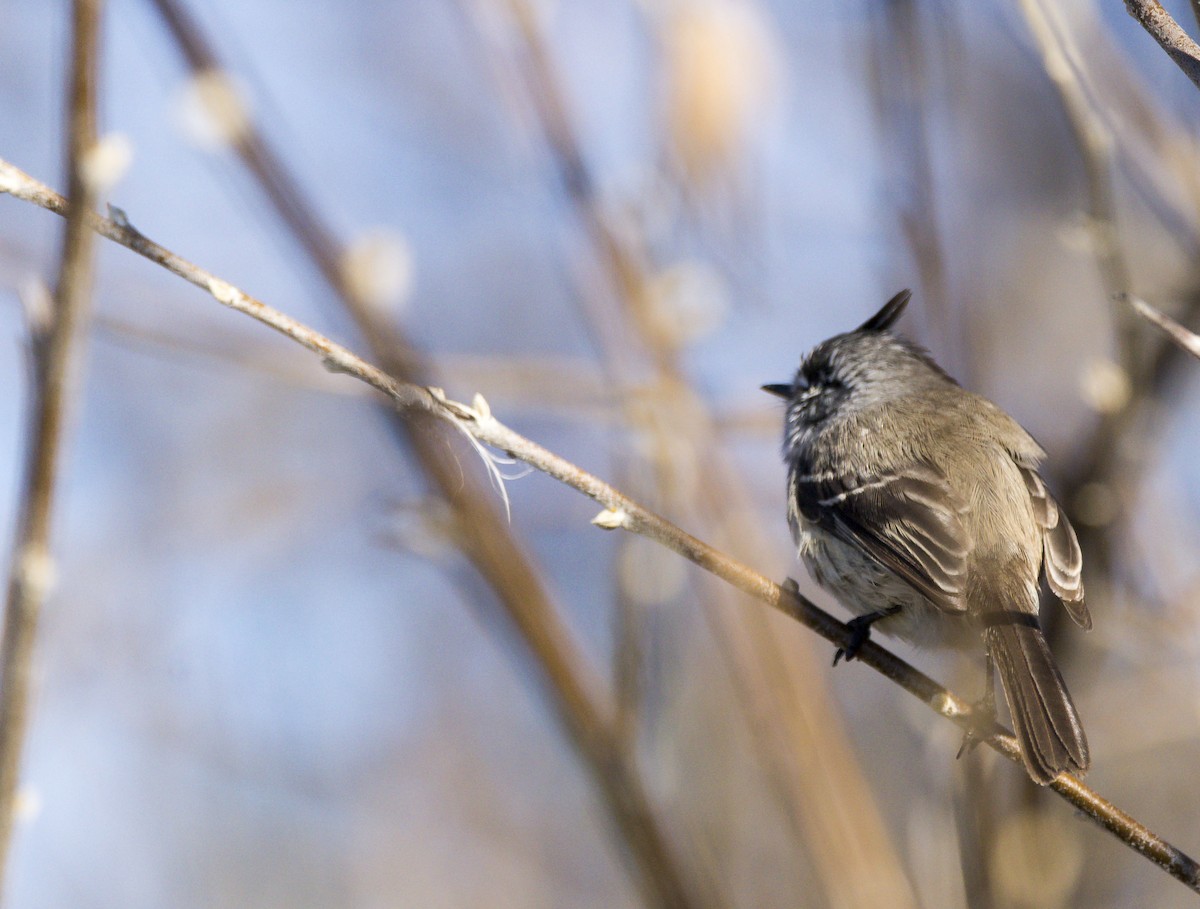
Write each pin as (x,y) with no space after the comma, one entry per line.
(919,506)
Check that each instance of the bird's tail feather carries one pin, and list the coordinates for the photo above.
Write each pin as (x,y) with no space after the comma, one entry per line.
(1045,719)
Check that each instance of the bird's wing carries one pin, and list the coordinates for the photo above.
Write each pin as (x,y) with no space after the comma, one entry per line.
(909,520)
(1063,559)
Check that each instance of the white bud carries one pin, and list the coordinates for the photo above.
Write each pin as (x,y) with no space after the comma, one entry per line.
(106,162)
(1105,386)
(211,110)
(378,269)
(609,519)
(688,300)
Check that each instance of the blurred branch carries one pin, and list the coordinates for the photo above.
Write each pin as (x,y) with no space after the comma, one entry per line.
(896,67)
(1187,340)
(55,341)
(1096,146)
(284,192)
(1169,34)
(826,795)
(1157,149)
(620,511)
(583,708)
(1110,114)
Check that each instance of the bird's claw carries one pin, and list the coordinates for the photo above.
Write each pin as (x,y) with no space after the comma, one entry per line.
(983,724)
(860,633)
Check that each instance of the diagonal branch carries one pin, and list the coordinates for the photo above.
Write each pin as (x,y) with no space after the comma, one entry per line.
(1188,340)
(55,351)
(1169,34)
(583,707)
(620,511)
(824,792)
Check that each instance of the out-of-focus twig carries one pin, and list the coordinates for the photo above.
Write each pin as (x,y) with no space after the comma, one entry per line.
(1188,340)
(1096,147)
(1169,34)
(486,540)
(896,66)
(55,350)
(620,512)
(1155,147)
(825,793)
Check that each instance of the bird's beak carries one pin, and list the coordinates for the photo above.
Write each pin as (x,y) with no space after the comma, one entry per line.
(780,391)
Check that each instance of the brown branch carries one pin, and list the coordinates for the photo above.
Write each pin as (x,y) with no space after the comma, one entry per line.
(55,348)
(582,706)
(897,65)
(1187,340)
(825,793)
(1096,146)
(1169,34)
(620,511)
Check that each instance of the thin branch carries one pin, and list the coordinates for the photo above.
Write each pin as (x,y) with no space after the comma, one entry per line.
(1169,34)
(896,64)
(1188,340)
(1096,146)
(55,347)
(486,540)
(825,793)
(620,511)
(1156,149)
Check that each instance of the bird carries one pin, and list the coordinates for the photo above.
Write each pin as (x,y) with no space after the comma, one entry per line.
(920,506)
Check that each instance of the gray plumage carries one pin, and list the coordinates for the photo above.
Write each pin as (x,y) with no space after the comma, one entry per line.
(905,490)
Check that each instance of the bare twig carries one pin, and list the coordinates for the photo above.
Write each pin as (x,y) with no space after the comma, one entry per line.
(486,540)
(826,795)
(620,511)
(897,64)
(1096,146)
(1169,34)
(1186,339)
(1156,148)
(574,687)
(54,350)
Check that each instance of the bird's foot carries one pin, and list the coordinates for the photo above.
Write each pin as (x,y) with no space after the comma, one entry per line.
(860,633)
(983,723)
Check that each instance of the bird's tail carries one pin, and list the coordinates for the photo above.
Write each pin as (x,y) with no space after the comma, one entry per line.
(1045,719)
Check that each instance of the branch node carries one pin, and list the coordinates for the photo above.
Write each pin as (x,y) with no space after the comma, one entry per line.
(480,405)
(946,705)
(611,519)
(119,218)
(10,178)
(223,291)
(457,410)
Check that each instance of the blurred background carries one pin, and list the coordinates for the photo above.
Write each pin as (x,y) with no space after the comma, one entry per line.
(297,656)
